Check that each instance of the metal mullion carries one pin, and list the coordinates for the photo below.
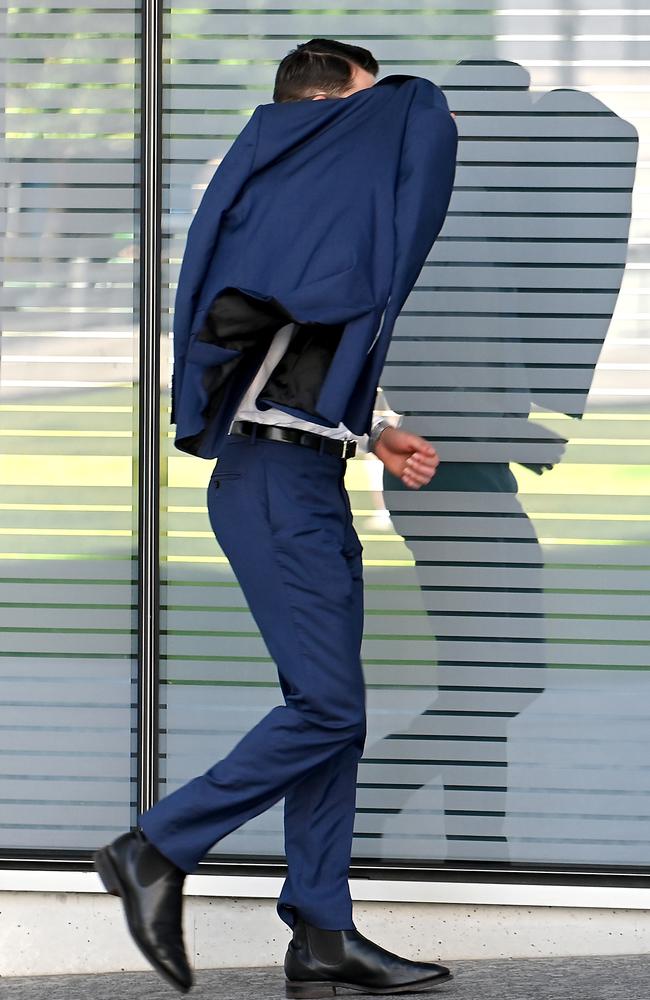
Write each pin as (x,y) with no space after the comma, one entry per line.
(149,404)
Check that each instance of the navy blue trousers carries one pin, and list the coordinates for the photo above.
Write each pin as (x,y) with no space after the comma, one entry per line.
(282,516)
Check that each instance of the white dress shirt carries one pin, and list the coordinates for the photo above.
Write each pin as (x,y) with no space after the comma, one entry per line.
(248,409)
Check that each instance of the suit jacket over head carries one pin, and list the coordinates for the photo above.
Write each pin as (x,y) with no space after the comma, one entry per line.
(324,212)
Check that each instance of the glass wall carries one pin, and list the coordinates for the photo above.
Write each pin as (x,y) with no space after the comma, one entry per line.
(68,450)
(507,607)
(507,612)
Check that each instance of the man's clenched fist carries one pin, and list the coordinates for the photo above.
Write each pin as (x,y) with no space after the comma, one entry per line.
(408,456)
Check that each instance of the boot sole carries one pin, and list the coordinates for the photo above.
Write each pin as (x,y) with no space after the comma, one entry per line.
(317,990)
(109,875)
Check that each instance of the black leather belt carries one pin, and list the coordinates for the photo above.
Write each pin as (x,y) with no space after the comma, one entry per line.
(321,442)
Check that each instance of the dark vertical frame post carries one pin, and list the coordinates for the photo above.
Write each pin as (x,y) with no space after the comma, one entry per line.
(149,403)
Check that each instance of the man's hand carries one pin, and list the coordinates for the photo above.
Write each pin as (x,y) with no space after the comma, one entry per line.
(408,456)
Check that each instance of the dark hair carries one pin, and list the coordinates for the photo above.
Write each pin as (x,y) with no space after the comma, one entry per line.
(321,64)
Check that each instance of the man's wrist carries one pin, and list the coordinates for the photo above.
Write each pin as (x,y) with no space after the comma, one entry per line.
(377,430)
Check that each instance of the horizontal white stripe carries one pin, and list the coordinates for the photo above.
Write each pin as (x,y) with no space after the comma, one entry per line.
(261,887)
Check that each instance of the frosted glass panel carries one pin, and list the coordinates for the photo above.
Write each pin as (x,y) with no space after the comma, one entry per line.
(507,608)
(68,544)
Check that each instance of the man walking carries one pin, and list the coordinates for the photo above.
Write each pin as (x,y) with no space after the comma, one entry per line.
(305,246)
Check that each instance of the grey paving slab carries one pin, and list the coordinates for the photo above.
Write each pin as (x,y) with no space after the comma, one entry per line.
(624,977)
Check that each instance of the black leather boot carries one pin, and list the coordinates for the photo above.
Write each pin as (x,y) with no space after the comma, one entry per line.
(151,888)
(319,962)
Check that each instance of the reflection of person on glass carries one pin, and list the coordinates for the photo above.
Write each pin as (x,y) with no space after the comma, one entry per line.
(304,248)
(520,335)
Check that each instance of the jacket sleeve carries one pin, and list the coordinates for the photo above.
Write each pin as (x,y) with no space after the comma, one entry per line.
(226,182)
(424,185)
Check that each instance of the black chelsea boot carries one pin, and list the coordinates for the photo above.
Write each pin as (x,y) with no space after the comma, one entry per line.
(320,961)
(151,888)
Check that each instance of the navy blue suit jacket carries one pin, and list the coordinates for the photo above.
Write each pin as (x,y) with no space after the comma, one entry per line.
(326,211)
